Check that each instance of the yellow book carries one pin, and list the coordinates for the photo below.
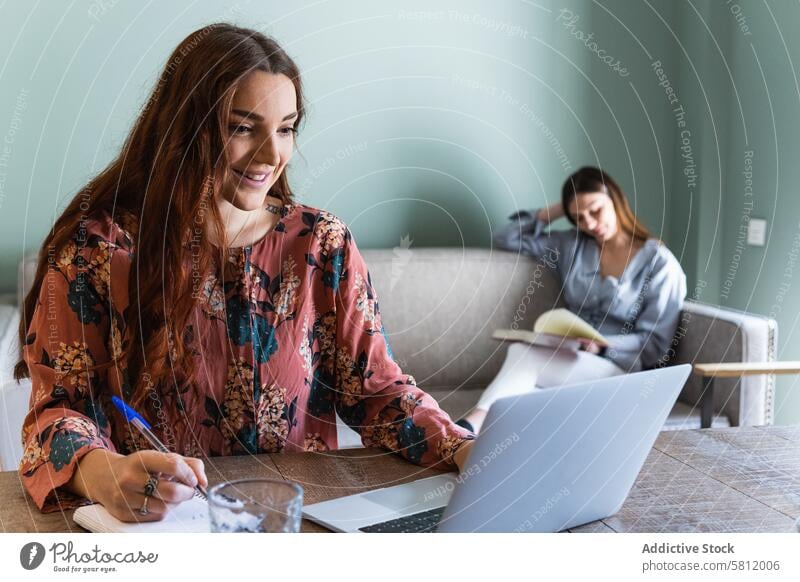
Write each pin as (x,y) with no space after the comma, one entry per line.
(559,328)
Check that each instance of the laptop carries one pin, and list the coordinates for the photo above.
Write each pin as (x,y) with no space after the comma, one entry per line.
(545,461)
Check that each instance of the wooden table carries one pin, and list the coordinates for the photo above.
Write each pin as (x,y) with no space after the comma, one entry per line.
(720,480)
(733,370)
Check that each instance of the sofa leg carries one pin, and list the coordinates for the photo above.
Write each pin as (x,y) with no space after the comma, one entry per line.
(707,402)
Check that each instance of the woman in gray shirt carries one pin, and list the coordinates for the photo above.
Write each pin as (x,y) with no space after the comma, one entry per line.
(614,275)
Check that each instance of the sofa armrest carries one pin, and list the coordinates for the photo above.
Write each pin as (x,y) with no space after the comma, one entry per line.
(14,397)
(708,333)
(26,272)
(9,343)
(14,403)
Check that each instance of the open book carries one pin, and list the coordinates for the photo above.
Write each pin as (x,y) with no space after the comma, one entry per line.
(557,328)
(189,517)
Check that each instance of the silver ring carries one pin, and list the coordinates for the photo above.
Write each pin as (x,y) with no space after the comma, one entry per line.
(150,486)
(143,509)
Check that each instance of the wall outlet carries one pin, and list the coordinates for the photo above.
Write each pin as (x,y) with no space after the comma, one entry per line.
(756,232)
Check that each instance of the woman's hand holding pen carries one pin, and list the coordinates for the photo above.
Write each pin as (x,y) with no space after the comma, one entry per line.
(118,482)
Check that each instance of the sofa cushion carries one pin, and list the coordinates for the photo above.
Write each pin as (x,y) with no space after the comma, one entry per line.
(440,307)
(682,416)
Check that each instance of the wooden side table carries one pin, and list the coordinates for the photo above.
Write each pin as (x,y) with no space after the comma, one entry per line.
(733,370)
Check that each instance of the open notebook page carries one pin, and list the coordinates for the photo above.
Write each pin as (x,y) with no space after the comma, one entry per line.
(190,516)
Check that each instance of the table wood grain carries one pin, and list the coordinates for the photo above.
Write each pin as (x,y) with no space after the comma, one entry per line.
(720,480)
(738,369)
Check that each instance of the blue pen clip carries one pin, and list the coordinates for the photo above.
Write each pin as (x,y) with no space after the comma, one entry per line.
(129,412)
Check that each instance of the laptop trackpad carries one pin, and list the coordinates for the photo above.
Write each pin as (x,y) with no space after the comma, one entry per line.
(417,496)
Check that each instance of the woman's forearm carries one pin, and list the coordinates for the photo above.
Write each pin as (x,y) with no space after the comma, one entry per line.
(551,213)
(93,467)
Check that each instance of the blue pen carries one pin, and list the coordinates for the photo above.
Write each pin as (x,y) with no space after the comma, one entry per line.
(140,423)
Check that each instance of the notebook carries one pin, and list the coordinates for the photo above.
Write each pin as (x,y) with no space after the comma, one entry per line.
(188,517)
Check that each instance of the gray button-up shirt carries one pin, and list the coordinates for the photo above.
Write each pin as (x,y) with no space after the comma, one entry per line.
(638,313)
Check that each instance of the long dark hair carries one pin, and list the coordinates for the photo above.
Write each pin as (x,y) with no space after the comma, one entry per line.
(590,179)
(163,179)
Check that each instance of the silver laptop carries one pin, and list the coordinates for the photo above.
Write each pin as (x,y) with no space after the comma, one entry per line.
(544,461)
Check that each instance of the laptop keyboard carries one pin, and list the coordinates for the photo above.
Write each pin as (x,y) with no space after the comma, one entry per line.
(423,522)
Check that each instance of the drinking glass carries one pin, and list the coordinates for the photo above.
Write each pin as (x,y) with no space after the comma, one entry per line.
(255,505)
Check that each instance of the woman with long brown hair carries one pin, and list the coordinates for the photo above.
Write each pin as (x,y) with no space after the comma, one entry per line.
(614,274)
(186,280)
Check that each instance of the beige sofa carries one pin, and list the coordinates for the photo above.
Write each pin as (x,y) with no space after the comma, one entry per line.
(439,309)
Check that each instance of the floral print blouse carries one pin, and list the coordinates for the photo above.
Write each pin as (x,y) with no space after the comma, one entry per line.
(286,334)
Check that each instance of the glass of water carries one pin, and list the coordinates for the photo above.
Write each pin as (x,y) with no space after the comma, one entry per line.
(255,505)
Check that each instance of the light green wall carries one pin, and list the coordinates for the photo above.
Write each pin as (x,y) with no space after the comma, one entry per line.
(756,107)
(437,119)
(433,121)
